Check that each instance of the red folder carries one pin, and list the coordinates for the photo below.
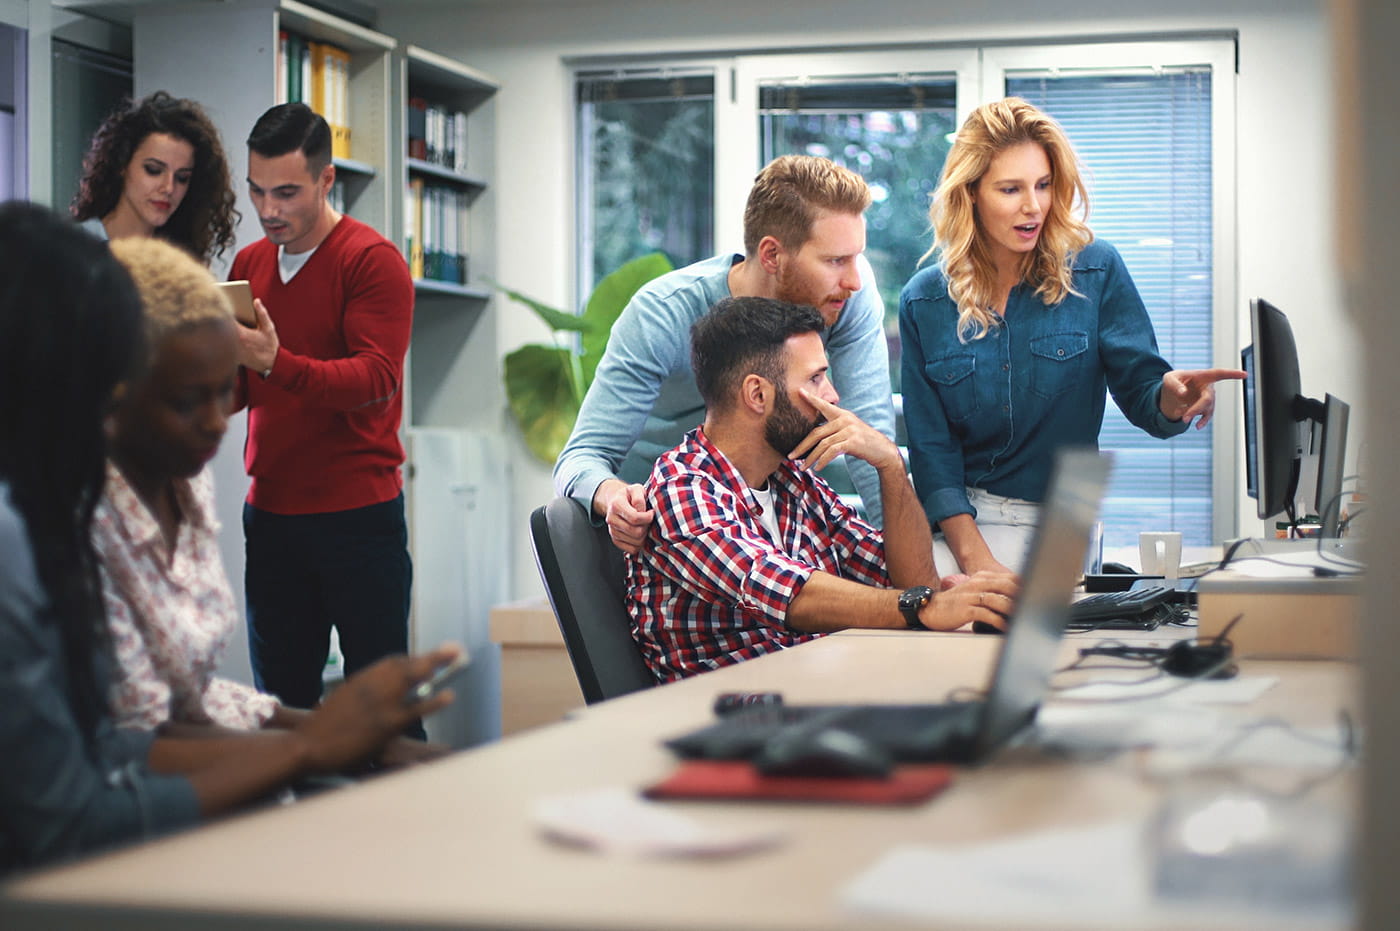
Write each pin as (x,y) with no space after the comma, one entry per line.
(730,780)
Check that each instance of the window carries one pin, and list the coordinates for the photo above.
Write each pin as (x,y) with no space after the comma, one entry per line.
(895,131)
(1152,121)
(1145,140)
(645,168)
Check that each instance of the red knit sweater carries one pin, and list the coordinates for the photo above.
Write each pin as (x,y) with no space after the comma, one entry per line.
(323,427)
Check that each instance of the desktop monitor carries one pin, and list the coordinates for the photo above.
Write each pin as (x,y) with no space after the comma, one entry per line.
(1281,425)
(1331,457)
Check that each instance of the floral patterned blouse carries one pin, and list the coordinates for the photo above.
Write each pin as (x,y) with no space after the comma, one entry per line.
(170,616)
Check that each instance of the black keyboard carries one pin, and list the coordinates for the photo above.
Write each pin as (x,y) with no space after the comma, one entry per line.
(1143,605)
(909,732)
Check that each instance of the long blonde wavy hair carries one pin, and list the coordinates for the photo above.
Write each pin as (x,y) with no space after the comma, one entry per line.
(963,253)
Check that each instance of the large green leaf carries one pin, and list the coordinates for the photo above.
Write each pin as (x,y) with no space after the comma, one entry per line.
(606,302)
(542,387)
(554,318)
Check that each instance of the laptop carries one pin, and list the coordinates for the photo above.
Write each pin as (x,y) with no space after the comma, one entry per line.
(958,732)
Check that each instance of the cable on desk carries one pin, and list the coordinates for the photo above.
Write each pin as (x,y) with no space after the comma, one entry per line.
(1346,745)
(1152,656)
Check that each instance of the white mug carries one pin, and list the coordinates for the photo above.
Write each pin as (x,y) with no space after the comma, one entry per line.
(1161,554)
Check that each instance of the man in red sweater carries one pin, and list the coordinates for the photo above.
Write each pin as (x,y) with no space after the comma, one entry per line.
(322,375)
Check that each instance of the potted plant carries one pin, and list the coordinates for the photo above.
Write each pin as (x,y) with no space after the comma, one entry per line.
(545,382)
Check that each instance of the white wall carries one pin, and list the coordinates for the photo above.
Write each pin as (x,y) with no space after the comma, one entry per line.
(1284,93)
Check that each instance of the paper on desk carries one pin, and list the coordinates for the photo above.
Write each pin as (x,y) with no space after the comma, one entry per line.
(1123,725)
(1170,690)
(1185,739)
(616,820)
(1100,874)
(1255,743)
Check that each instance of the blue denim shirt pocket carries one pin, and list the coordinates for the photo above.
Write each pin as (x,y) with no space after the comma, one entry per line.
(952,378)
(1057,362)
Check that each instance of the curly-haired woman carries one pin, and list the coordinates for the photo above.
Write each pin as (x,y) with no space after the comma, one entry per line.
(156,167)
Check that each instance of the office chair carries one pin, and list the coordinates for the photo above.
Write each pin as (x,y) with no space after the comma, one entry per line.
(584,576)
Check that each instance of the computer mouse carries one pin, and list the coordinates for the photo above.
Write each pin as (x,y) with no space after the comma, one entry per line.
(1199,660)
(982,627)
(1117,568)
(826,752)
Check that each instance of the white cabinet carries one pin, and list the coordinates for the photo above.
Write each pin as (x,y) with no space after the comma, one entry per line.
(460,535)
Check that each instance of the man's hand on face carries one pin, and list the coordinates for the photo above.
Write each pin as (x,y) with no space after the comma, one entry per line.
(843,433)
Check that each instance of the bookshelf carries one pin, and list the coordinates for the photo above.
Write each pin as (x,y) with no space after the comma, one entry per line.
(452,374)
(442,180)
(248,47)
(451,378)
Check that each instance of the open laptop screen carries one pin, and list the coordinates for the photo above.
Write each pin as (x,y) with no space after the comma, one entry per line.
(1027,659)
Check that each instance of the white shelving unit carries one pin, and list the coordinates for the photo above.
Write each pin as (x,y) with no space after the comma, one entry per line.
(451,379)
(447,368)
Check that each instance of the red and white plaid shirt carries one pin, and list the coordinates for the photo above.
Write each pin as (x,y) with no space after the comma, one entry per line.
(711,586)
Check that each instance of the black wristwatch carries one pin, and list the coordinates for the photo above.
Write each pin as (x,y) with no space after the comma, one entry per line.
(910,601)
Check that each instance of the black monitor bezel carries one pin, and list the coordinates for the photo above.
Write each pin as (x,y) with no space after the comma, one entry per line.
(1274,391)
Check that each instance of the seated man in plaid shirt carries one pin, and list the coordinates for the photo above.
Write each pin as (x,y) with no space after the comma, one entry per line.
(751,551)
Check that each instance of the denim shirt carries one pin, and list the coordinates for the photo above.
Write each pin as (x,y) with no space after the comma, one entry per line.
(989,413)
(643,399)
(62,795)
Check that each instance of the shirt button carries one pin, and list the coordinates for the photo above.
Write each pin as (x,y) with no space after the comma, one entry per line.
(1006,368)
(1060,353)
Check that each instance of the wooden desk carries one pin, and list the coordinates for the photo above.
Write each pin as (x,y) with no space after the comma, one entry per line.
(452,844)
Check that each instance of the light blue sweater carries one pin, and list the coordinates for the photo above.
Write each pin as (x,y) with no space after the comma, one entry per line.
(644,399)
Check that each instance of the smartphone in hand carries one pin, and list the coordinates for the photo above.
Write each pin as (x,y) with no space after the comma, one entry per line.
(240,295)
(439,680)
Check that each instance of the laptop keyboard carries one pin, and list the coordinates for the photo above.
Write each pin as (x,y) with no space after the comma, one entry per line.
(909,732)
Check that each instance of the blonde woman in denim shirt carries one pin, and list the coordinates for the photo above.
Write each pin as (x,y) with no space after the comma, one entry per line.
(1012,337)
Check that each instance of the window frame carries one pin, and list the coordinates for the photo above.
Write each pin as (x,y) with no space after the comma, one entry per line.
(737,163)
(722,68)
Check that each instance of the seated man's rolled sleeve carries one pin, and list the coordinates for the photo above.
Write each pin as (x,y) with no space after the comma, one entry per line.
(700,544)
(858,546)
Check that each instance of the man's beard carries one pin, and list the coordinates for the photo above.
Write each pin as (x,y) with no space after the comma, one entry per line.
(793,289)
(787,426)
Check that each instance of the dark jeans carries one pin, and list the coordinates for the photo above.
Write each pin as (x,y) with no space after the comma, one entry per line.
(308,572)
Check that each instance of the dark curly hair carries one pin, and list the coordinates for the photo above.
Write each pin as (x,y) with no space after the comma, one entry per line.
(204,223)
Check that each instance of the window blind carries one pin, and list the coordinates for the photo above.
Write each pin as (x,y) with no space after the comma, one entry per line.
(1145,143)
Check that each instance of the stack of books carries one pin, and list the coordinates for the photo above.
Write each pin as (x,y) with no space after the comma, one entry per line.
(437,231)
(318,75)
(437,135)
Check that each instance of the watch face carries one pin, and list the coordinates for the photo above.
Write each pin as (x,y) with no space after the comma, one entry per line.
(915,597)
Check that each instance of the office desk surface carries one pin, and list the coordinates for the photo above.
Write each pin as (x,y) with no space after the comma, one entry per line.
(453,843)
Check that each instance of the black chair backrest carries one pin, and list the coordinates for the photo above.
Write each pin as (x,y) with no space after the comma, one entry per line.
(585,576)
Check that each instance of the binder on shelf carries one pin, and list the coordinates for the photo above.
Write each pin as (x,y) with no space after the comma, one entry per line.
(459,165)
(281,72)
(413,221)
(339,61)
(417,128)
(329,86)
(304,59)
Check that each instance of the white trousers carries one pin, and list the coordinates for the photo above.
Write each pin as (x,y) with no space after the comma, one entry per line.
(1007,524)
